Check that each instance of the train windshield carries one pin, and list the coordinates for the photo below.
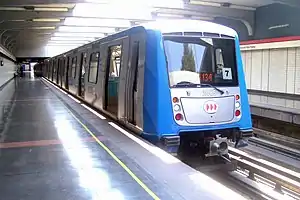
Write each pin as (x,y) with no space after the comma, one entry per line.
(193,62)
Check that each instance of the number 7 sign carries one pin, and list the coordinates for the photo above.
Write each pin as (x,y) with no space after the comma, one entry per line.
(227,74)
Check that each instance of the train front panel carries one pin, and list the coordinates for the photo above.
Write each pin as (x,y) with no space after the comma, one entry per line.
(198,92)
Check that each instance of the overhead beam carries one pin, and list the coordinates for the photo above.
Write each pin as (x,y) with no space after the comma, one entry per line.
(35,2)
(210,11)
(221,11)
(295,3)
(16,15)
(27,25)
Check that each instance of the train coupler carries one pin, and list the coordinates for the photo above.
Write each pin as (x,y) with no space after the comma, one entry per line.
(218,146)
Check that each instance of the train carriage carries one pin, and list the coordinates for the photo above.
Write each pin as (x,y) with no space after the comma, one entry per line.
(176,83)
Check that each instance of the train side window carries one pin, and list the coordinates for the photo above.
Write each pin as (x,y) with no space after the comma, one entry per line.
(73,67)
(93,67)
(115,61)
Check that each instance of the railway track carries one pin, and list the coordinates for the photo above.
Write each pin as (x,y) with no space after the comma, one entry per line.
(269,180)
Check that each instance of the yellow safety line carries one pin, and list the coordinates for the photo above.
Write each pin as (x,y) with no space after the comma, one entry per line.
(152,194)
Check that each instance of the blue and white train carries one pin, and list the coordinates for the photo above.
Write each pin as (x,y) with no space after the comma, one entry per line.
(176,83)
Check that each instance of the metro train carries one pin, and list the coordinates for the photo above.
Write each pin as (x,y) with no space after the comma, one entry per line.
(38,69)
(177,83)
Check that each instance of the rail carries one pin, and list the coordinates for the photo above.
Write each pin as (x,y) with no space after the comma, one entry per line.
(285,180)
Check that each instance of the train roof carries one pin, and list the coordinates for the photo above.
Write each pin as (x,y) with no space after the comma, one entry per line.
(170,26)
(181,25)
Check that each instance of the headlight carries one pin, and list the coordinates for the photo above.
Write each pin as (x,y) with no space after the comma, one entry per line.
(176,108)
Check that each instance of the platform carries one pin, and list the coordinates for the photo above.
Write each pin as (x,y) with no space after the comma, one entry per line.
(279,106)
(54,147)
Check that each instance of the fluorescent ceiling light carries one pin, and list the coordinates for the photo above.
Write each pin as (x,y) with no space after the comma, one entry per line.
(169,15)
(72,39)
(68,42)
(46,20)
(41,33)
(54,44)
(77,21)
(205,3)
(51,9)
(242,7)
(207,18)
(12,8)
(43,28)
(142,3)
(80,29)
(124,11)
(17,20)
(215,4)
(70,34)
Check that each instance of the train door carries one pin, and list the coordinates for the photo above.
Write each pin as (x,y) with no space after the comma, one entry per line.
(52,70)
(68,63)
(62,71)
(65,72)
(58,71)
(92,94)
(131,81)
(72,75)
(113,67)
(82,69)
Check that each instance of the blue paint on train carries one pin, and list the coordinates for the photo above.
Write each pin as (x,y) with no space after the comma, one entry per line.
(158,114)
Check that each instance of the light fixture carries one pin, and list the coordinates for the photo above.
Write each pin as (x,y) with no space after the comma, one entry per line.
(142,3)
(12,8)
(167,15)
(125,11)
(68,42)
(42,33)
(70,34)
(42,27)
(17,20)
(64,44)
(51,9)
(72,39)
(205,3)
(215,4)
(80,29)
(206,18)
(46,20)
(78,21)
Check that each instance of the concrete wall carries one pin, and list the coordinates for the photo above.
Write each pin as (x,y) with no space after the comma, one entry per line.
(276,20)
(7,71)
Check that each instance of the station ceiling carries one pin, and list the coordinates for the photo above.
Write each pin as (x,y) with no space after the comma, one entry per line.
(74,22)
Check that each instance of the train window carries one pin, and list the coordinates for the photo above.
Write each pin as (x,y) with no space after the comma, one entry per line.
(73,67)
(115,61)
(192,61)
(93,67)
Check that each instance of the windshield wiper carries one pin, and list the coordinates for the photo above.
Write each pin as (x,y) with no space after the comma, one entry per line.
(219,90)
(186,84)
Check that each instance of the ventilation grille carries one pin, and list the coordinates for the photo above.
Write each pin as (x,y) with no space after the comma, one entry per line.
(198,34)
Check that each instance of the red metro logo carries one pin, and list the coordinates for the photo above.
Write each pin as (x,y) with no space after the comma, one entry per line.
(210,107)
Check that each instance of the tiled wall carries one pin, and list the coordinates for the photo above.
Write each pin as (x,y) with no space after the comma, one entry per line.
(276,70)
(7,71)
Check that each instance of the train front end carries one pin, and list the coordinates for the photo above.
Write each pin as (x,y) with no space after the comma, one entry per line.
(207,91)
